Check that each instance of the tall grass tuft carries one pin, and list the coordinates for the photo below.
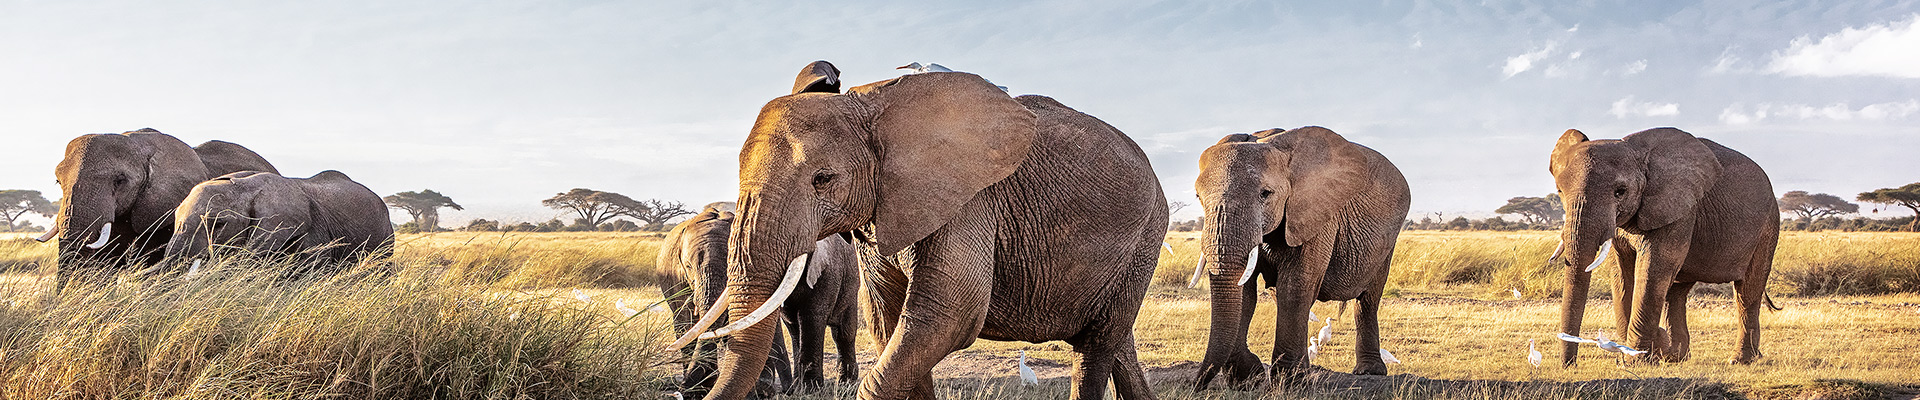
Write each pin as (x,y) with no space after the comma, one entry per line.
(23,254)
(234,331)
(537,260)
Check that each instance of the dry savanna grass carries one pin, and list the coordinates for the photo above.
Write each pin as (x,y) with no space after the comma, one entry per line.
(490,315)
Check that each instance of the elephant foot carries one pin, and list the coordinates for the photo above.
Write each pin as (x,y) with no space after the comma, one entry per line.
(1241,371)
(1370,369)
(1745,358)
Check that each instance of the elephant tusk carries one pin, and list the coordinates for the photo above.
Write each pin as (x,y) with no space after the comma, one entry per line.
(55,230)
(794,270)
(1199,269)
(1253,258)
(1168,246)
(1557,248)
(713,314)
(193,270)
(105,230)
(1605,247)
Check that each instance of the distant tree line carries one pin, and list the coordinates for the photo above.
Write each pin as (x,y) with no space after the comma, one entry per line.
(596,211)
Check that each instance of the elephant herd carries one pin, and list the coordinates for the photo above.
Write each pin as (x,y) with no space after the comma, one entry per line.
(935,209)
(145,199)
(953,212)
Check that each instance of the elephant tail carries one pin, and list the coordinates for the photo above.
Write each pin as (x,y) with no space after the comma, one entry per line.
(1770,306)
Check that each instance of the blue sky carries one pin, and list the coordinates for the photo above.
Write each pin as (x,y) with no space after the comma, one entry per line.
(502,103)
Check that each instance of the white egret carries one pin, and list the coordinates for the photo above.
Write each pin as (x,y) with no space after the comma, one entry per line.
(1313,348)
(1026,374)
(624,310)
(1516,293)
(1533,354)
(1326,332)
(577,294)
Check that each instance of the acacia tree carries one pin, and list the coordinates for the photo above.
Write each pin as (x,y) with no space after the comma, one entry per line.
(15,204)
(1905,196)
(655,212)
(424,206)
(1814,206)
(595,207)
(1538,211)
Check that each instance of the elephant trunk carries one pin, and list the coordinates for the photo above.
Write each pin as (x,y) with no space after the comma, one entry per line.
(84,211)
(1226,241)
(768,255)
(1580,240)
(190,239)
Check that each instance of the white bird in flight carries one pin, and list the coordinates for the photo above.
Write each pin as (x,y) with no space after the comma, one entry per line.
(624,310)
(1026,374)
(1388,357)
(1533,355)
(582,296)
(1600,340)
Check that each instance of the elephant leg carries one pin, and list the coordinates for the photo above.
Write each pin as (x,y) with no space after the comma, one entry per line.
(843,338)
(1300,272)
(1678,339)
(1092,370)
(944,310)
(1623,285)
(810,366)
(777,377)
(1129,378)
(1366,326)
(1666,254)
(699,375)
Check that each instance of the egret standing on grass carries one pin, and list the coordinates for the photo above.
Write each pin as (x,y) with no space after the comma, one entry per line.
(1026,374)
(1533,355)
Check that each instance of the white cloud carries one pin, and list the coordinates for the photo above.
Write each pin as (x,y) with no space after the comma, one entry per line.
(1574,56)
(1628,107)
(1523,62)
(1891,49)
(1635,67)
(1737,114)
(1727,63)
(1575,28)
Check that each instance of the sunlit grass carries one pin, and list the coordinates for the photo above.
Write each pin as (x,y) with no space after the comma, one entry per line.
(491,315)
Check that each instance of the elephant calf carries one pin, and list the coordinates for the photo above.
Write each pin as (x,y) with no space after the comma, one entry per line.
(693,265)
(328,220)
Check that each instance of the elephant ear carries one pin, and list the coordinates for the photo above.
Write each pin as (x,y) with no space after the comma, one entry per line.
(819,76)
(1560,148)
(280,210)
(1325,173)
(1680,171)
(940,139)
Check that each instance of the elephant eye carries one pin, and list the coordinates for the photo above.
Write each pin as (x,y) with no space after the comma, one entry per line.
(1620,192)
(822,178)
(1265,193)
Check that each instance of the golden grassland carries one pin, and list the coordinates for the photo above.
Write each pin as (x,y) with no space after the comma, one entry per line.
(491,315)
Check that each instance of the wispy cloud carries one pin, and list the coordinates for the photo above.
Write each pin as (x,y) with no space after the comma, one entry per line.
(1738,114)
(1635,67)
(1891,50)
(1727,63)
(1525,61)
(1627,107)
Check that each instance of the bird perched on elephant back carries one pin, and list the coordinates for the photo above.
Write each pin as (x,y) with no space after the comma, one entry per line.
(1029,221)
(119,190)
(1691,211)
(327,222)
(1315,217)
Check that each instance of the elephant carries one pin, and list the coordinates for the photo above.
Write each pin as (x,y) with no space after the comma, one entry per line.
(1027,220)
(120,190)
(1691,209)
(695,255)
(1314,216)
(328,221)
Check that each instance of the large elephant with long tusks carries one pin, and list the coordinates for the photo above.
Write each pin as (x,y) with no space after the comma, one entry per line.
(1678,210)
(1028,221)
(120,191)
